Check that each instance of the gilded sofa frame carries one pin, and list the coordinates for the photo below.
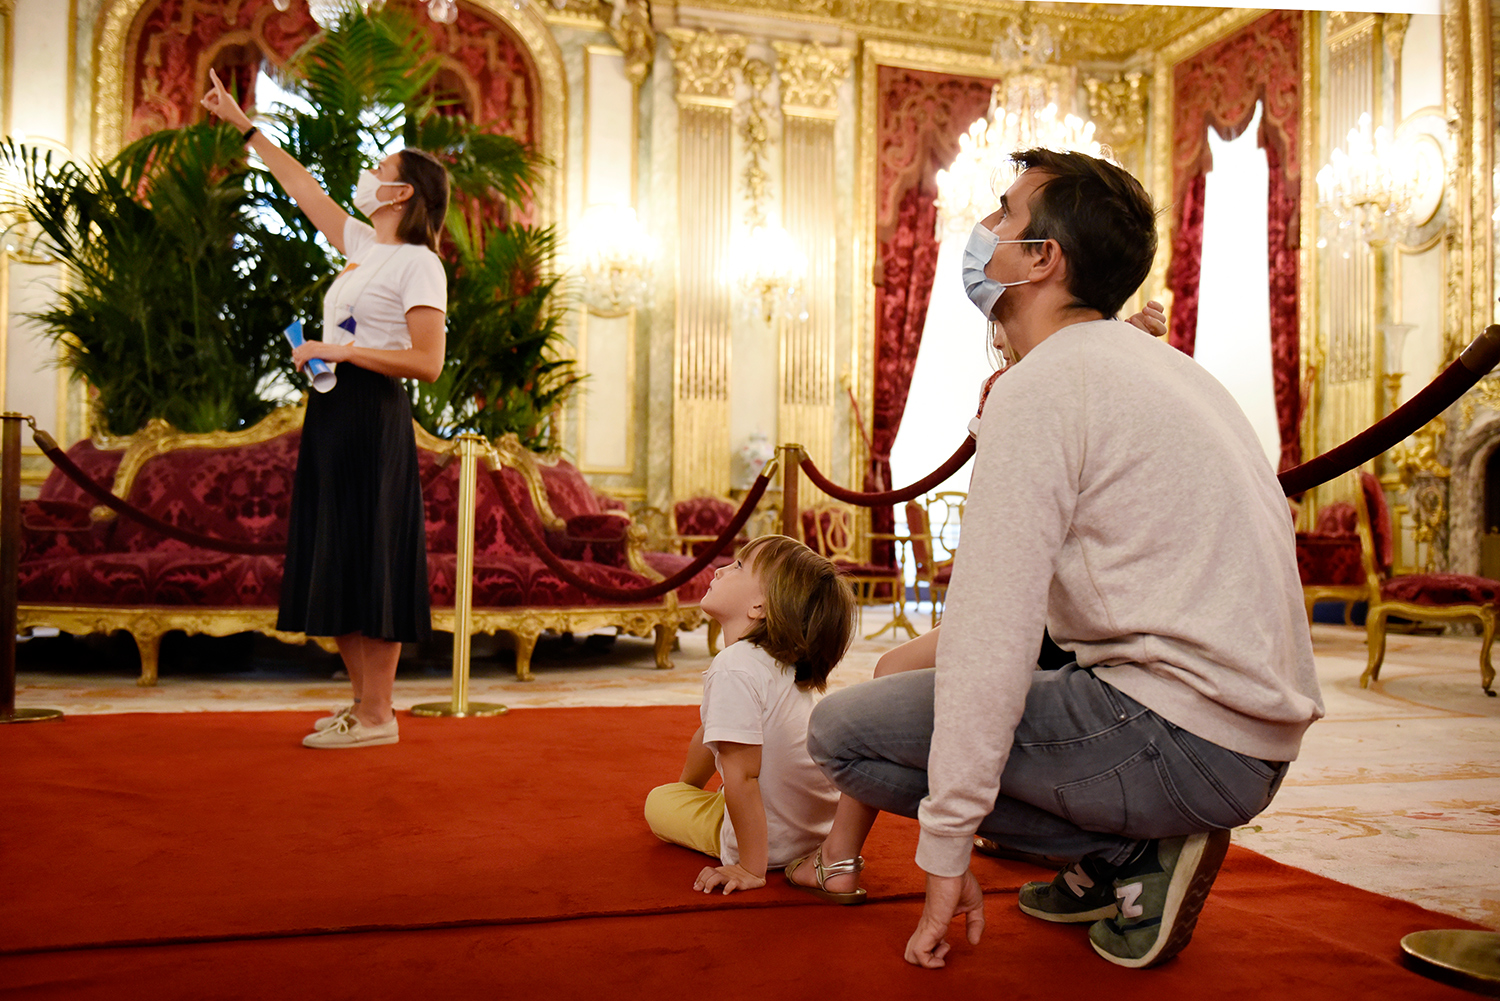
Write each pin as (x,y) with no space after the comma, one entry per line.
(147,624)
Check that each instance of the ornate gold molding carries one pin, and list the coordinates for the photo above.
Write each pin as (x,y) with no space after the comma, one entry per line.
(705,64)
(1084,32)
(810,78)
(755,133)
(630,27)
(1117,106)
(1393,31)
(116,31)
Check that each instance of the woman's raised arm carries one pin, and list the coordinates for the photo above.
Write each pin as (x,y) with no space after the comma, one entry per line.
(315,203)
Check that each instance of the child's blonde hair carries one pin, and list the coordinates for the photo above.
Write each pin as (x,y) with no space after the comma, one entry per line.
(809,608)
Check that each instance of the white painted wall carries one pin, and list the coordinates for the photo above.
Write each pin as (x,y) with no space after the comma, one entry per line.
(38,93)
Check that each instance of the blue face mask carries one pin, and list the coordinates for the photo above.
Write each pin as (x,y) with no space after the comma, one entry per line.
(983,291)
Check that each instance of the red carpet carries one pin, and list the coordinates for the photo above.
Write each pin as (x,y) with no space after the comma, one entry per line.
(212,856)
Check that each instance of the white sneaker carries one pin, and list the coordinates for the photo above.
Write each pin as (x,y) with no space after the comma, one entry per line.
(338,714)
(350,732)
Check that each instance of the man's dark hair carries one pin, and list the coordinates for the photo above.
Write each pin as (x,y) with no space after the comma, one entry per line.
(1101,217)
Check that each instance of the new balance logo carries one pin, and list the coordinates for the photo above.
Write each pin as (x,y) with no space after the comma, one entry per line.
(1127,896)
(1078,881)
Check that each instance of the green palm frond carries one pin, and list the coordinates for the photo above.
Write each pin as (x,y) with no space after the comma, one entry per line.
(184,261)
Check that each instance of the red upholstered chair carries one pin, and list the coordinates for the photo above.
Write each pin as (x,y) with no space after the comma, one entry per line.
(1329,560)
(1418,597)
(830,528)
(930,570)
(699,520)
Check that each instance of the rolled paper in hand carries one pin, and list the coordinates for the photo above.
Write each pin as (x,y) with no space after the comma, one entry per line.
(322,376)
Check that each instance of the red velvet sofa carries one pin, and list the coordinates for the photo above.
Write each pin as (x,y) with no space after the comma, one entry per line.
(85,570)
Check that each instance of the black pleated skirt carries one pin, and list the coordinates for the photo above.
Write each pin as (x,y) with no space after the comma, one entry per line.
(356,553)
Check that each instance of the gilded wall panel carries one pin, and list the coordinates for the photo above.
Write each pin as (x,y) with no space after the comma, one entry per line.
(704,64)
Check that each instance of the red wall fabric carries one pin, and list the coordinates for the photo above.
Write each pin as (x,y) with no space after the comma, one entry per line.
(174,42)
(921,116)
(1218,88)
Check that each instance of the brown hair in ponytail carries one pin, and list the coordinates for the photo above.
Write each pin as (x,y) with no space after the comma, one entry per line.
(425,211)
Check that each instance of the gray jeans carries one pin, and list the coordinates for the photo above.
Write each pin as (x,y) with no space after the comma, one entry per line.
(1091,770)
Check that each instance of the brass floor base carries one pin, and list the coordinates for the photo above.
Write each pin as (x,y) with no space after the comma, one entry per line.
(446,709)
(31,715)
(1467,959)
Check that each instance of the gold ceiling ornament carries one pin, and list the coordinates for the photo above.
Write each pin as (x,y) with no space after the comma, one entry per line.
(1117,106)
(1086,32)
(630,27)
(705,64)
(810,77)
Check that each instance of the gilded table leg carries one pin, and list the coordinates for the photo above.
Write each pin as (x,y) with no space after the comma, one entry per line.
(525,645)
(665,635)
(1375,639)
(1486,666)
(149,644)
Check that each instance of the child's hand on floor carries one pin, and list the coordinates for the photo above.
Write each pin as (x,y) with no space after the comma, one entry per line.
(730,877)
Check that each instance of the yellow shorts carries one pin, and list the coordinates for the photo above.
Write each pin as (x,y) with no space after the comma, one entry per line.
(685,815)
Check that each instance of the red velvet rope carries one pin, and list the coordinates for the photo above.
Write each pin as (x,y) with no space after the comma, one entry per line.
(1474,364)
(70,469)
(954,464)
(544,552)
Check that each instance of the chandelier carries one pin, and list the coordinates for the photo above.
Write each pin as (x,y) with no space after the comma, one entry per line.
(1378,185)
(614,255)
(1024,114)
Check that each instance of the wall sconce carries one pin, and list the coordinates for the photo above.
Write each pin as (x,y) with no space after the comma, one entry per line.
(770,270)
(1379,187)
(614,255)
(1394,336)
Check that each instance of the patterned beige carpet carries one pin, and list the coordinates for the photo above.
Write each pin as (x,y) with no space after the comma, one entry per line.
(1397,790)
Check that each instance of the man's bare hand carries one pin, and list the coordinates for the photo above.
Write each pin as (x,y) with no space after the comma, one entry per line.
(730,877)
(947,898)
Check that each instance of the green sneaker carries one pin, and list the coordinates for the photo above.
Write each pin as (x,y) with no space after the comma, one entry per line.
(1083,892)
(1160,894)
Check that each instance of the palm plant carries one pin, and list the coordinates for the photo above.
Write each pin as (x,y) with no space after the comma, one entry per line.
(184,262)
(169,281)
(504,318)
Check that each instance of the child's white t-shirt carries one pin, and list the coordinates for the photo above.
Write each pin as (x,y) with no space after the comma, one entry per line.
(381,282)
(749,698)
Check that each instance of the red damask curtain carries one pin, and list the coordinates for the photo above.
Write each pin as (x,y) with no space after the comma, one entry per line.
(920,117)
(1218,89)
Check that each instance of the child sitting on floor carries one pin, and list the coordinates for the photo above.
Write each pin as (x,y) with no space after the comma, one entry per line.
(787,617)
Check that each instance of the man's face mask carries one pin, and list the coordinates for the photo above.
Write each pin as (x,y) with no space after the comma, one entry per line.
(983,291)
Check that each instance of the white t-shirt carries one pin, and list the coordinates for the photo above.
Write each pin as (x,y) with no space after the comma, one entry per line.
(381,282)
(749,698)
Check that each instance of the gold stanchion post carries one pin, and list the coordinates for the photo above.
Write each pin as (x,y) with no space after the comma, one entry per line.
(10,558)
(791,515)
(463,593)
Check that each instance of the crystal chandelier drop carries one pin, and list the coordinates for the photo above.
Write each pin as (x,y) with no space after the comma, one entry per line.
(328,12)
(1024,114)
(614,255)
(1370,187)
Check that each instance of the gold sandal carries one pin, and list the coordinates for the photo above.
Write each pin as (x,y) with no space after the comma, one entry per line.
(822,872)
